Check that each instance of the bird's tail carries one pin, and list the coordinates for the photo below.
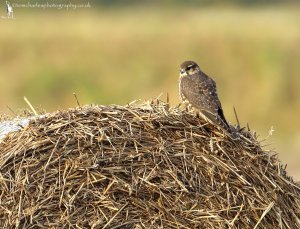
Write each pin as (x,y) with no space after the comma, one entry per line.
(220,121)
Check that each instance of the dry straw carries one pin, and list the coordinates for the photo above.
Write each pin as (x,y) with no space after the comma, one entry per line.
(140,166)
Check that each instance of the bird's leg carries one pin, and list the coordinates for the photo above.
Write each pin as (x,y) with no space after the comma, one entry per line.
(184,105)
(189,108)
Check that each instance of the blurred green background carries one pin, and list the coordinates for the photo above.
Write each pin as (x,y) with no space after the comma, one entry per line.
(115,53)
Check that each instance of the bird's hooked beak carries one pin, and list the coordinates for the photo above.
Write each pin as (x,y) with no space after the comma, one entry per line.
(182,71)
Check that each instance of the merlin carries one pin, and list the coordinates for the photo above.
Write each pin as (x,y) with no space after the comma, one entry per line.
(199,91)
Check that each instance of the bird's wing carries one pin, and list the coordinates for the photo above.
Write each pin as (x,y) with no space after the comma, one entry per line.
(201,92)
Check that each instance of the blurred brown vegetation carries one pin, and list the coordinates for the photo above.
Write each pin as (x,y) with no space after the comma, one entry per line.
(116,55)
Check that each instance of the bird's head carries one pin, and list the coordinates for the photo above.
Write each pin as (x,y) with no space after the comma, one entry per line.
(189,68)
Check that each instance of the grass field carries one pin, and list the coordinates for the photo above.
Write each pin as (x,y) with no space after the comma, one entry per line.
(121,54)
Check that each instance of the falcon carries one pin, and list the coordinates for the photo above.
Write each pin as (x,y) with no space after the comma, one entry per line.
(199,91)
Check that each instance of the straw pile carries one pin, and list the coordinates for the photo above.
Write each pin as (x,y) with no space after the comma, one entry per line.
(140,166)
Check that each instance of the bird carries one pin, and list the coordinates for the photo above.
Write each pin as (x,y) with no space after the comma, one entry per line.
(9,10)
(199,91)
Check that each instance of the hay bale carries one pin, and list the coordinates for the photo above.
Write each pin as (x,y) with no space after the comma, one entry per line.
(140,167)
